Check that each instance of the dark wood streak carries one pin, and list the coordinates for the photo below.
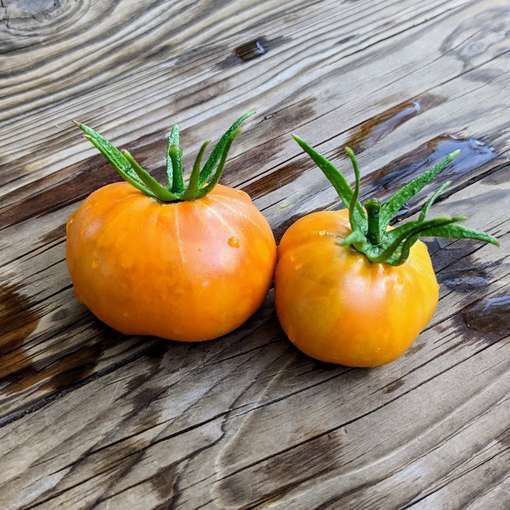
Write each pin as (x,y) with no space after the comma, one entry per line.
(18,318)
(69,186)
(368,133)
(300,465)
(491,314)
(62,376)
(56,234)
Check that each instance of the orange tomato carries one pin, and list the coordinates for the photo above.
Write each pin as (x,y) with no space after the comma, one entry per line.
(183,264)
(184,271)
(350,289)
(337,306)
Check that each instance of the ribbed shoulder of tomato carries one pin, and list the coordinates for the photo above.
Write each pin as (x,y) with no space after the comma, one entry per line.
(228,192)
(116,190)
(316,226)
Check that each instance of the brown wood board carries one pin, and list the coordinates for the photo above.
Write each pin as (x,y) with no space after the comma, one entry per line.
(90,418)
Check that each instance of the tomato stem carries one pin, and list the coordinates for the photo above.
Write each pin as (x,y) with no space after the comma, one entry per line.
(173,139)
(175,154)
(374,233)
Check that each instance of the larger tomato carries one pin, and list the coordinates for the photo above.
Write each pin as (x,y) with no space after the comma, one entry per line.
(187,265)
(349,289)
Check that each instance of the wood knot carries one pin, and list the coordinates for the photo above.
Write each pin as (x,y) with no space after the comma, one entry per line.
(252,49)
(484,34)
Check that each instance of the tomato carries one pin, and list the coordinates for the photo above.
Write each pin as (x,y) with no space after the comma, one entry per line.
(188,270)
(349,289)
(337,306)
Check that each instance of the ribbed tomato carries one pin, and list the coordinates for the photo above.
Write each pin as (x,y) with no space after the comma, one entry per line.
(188,269)
(337,306)
(351,290)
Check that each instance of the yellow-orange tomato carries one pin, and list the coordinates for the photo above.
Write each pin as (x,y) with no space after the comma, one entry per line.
(190,270)
(337,306)
(350,289)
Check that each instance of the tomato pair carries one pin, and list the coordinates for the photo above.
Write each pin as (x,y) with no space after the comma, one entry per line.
(192,262)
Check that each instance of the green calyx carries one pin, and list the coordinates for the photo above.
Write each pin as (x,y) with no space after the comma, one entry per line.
(201,181)
(369,221)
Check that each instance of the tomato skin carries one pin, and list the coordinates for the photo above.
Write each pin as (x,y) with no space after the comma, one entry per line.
(186,271)
(338,307)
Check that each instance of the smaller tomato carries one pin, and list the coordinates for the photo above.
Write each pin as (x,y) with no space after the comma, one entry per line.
(351,290)
(183,264)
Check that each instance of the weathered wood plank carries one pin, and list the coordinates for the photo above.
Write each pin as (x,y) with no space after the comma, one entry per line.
(316,50)
(306,192)
(89,418)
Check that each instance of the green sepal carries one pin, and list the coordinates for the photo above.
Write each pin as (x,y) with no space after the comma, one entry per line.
(115,157)
(432,199)
(459,232)
(219,148)
(156,188)
(396,239)
(353,238)
(355,203)
(393,205)
(339,182)
(371,234)
(131,171)
(216,177)
(357,240)
(194,180)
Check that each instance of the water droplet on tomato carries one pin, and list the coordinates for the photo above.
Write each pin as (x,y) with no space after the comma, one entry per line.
(234,242)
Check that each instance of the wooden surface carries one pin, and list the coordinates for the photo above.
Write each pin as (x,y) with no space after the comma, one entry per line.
(92,419)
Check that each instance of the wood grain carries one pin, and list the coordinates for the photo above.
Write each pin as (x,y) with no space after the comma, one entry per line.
(92,419)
